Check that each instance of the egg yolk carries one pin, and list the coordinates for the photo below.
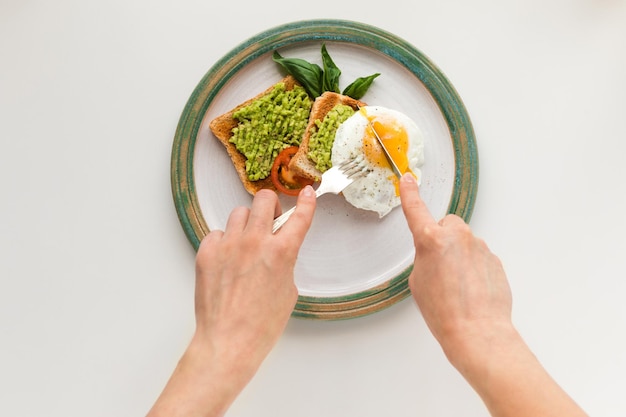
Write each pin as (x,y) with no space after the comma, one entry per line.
(396,141)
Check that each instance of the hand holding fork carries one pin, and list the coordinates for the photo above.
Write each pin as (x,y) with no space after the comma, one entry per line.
(335,180)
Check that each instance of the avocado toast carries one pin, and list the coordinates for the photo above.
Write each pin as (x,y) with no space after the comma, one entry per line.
(255,131)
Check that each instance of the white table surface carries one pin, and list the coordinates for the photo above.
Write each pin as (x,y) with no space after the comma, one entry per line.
(96,273)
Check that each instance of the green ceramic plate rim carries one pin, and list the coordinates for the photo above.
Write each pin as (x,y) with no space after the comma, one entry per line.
(454,112)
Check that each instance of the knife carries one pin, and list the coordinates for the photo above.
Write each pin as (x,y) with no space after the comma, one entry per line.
(393,165)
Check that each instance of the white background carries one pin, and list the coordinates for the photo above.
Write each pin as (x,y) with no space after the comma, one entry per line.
(96,274)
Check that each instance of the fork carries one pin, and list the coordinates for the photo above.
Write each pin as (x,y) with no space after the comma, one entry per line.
(335,180)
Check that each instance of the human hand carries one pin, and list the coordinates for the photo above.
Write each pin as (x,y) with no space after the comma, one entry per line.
(244,296)
(245,291)
(459,285)
(465,299)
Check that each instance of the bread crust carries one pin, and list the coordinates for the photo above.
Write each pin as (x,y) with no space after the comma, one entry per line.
(300,164)
(222,127)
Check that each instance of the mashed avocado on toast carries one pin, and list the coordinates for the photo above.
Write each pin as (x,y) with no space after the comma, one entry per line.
(268,125)
(321,140)
(297,112)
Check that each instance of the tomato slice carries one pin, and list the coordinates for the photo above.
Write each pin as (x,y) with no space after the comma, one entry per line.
(283,179)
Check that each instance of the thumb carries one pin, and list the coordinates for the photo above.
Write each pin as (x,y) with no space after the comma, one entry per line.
(298,224)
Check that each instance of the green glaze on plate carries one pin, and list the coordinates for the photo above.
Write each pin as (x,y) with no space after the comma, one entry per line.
(464,169)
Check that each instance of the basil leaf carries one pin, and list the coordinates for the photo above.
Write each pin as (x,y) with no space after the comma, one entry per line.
(330,80)
(307,74)
(359,87)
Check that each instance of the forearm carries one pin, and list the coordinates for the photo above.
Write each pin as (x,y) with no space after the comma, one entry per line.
(510,379)
(202,385)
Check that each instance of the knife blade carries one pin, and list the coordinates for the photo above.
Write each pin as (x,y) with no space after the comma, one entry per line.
(393,165)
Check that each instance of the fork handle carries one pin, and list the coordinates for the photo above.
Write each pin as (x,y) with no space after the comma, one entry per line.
(282,219)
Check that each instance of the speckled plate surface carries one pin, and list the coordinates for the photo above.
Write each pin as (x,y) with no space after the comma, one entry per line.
(352,263)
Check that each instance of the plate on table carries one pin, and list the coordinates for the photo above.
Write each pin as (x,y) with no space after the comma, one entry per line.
(352,262)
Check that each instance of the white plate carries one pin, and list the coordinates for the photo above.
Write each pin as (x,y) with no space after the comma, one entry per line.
(351,262)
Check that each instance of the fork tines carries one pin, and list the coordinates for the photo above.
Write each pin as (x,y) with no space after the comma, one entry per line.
(355,168)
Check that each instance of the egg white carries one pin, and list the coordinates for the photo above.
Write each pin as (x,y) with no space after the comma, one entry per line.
(376,191)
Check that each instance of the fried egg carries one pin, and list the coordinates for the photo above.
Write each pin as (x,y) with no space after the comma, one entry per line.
(379,190)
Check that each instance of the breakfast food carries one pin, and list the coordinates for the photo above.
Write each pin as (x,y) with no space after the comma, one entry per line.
(379,190)
(263,134)
(281,140)
(256,131)
(290,134)
(329,111)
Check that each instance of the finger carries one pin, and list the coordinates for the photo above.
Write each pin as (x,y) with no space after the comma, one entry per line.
(210,239)
(452,220)
(300,221)
(415,211)
(206,248)
(237,220)
(265,206)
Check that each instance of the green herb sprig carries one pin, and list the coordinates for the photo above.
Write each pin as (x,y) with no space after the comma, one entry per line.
(317,80)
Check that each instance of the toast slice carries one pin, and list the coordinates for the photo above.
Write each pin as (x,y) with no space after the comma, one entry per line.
(222,127)
(301,164)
